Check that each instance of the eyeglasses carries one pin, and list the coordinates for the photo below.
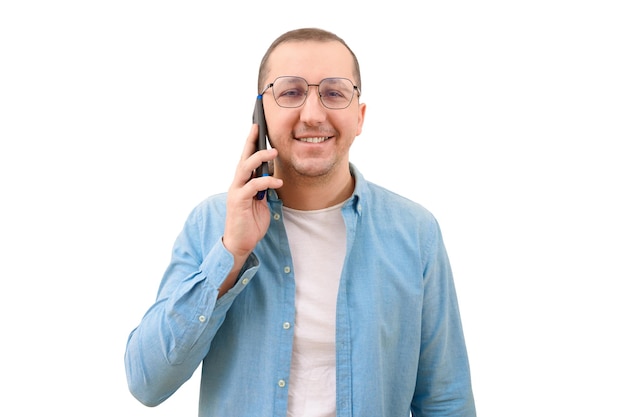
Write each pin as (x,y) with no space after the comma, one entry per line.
(334,93)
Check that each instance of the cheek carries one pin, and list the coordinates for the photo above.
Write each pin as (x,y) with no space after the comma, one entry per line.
(352,128)
(277,132)
(278,128)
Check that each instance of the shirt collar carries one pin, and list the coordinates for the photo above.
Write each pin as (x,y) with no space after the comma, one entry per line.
(355,201)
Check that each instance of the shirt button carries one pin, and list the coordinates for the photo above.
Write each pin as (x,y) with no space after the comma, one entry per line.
(287,270)
(282,383)
(276,216)
(286,325)
(202,319)
(245,281)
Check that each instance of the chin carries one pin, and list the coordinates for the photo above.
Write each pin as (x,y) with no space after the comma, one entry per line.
(313,169)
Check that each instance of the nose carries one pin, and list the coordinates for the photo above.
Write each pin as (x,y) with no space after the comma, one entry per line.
(313,111)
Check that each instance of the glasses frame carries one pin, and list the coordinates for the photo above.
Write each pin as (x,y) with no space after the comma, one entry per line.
(306,93)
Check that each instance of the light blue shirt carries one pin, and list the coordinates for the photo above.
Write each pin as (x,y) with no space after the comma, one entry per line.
(399,341)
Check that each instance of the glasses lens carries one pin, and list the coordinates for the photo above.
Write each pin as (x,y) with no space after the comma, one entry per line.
(336,93)
(290,91)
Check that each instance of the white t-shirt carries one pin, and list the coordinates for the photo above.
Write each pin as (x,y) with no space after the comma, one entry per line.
(317,240)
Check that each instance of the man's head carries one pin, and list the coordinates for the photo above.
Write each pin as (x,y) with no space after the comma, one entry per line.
(310,83)
(300,35)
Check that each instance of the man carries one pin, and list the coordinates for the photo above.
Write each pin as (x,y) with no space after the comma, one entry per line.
(330,297)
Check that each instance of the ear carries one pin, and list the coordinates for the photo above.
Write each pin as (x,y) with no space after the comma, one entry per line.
(361,118)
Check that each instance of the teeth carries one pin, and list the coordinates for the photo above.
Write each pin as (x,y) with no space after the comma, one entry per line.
(313,140)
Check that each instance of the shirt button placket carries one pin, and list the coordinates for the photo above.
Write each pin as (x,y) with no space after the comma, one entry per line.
(286,325)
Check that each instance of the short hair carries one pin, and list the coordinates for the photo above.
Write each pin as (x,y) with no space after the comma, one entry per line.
(305,34)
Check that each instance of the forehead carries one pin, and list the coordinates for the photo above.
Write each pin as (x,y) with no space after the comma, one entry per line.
(311,60)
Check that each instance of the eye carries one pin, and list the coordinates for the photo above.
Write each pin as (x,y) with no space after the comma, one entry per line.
(333,94)
(336,90)
(292,93)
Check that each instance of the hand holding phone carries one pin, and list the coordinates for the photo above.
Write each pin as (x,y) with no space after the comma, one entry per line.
(259,118)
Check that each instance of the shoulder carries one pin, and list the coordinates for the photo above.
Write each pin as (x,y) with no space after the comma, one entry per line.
(380,201)
(211,209)
(216,202)
(394,202)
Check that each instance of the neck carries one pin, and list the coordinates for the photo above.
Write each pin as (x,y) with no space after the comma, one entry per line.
(306,193)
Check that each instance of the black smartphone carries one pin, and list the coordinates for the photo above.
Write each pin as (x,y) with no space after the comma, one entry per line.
(258,117)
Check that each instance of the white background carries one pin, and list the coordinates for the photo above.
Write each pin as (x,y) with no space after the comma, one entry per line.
(505,119)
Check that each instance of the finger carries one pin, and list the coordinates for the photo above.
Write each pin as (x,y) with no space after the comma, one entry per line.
(251,142)
(252,187)
(246,167)
(242,173)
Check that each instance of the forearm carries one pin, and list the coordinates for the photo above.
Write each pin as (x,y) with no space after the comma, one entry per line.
(443,381)
(176,333)
(168,345)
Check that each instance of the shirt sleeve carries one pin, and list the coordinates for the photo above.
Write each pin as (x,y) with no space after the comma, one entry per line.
(176,332)
(443,385)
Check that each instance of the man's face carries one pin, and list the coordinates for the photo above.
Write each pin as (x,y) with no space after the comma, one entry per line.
(311,140)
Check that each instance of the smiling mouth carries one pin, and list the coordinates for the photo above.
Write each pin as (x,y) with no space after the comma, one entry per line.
(319,139)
